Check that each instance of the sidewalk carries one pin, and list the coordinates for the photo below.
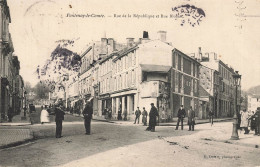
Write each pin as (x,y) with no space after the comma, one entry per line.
(174,123)
(12,133)
(18,120)
(10,137)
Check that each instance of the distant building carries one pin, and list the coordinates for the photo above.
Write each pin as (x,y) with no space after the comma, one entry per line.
(253,102)
(222,85)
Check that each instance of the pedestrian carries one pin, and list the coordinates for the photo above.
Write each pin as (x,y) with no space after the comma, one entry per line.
(24,111)
(10,114)
(152,118)
(59,117)
(211,115)
(191,119)
(119,114)
(87,113)
(109,114)
(252,121)
(144,118)
(257,121)
(244,121)
(125,115)
(181,115)
(45,116)
(137,115)
(239,120)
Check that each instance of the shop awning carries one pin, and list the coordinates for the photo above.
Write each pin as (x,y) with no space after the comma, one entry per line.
(155,68)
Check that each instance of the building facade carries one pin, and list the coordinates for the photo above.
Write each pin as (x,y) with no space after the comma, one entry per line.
(224,89)
(253,102)
(185,82)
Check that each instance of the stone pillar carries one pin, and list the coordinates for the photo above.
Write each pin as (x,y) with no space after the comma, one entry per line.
(123,104)
(129,105)
(117,104)
(100,107)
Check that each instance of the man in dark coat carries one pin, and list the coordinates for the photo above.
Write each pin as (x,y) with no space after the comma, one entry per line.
(257,121)
(137,115)
(10,114)
(181,115)
(211,115)
(191,119)
(152,118)
(59,117)
(87,113)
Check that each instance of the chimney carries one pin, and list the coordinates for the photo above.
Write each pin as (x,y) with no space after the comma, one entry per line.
(130,42)
(199,54)
(103,48)
(162,35)
(111,45)
(145,35)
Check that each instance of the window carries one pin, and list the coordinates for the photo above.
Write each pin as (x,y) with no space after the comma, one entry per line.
(130,78)
(126,77)
(134,58)
(176,81)
(130,59)
(195,86)
(126,61)
(133,74)
(176,61)
(115,84)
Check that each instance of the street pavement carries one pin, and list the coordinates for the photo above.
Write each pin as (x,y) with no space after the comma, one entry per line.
(128,144)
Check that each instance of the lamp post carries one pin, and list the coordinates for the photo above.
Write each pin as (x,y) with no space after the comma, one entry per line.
(25,106)
(237,79)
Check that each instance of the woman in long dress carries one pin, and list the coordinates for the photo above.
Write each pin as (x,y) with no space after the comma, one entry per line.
(45,116)
(244,121)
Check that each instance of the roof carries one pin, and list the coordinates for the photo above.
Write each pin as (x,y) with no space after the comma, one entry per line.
(155,68)
(186,56)
(125,51)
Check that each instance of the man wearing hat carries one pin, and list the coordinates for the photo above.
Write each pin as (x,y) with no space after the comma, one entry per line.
(257,118)
(181,115)
(87,112)
(59,117)
(152,118)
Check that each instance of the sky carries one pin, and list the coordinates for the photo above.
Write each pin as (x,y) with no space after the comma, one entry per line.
(37,25)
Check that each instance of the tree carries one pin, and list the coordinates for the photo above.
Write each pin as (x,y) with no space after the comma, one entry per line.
(28,87)
(41,90)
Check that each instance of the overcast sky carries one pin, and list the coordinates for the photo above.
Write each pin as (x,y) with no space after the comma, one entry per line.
(36,25)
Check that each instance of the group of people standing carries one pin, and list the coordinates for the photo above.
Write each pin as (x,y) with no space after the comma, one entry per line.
(152,117)
(191,118)
(59,117)
(153,114)
(250,119)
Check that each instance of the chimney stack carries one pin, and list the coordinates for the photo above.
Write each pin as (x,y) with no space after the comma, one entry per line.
(103,50)
(130,42)
(145,35)
(162,35)
(111,45)
(199,54)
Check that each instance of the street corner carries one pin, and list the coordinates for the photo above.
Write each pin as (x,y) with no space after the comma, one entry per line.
(14,137)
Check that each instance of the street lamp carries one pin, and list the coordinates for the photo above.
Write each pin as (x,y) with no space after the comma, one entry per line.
(237,80)
(25,103)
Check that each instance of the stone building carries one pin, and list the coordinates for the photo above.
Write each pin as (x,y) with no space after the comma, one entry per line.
(224,91)
(253,102)
(208,91)
(185,82)
(6,50)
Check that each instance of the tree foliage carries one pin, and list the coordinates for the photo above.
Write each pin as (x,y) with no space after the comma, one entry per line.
(41,90)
